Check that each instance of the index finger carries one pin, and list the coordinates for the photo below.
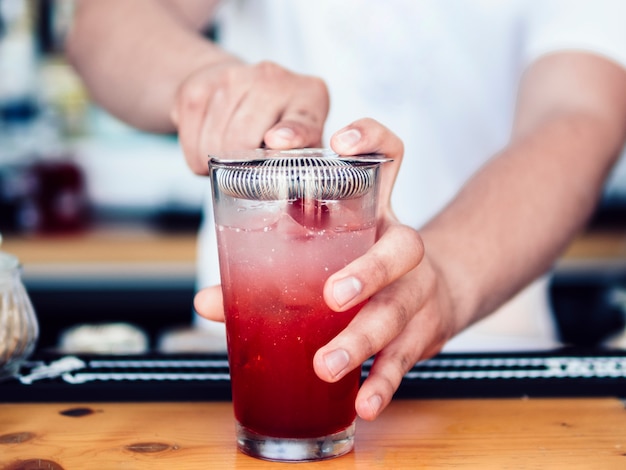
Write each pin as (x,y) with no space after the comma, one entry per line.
(302,121)
(369,136)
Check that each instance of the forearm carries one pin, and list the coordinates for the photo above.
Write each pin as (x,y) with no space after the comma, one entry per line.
(519,212)
(511,221)
(133,55)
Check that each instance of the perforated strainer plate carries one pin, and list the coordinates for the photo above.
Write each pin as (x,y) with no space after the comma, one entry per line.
(291,174)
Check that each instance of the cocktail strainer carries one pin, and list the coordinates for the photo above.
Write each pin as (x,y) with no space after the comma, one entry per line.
(293,174)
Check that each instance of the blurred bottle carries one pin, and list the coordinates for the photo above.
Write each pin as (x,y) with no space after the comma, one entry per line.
(42,189)
(58,204)
(60,88)
(18,59)
(18,109)
(43,194)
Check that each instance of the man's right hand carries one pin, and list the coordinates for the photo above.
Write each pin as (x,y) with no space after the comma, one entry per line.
(235,106)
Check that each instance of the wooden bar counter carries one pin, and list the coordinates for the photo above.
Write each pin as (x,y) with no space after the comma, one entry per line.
(435,434)
(502,433)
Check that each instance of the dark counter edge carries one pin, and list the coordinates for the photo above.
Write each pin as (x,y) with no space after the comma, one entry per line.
(57,390)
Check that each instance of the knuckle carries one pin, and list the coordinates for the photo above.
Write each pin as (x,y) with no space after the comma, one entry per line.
(387,386)
(370,337)
(318,86)
(194,95)
(412,238)
(400,313)
(305,116)
(442,333)
(412,244)
(381,329)
(368,121)
(268,70)
(390,380)
(391,367)
(197,166)
(380,270)
(233,143)
(233,138)
(406,363)
(369,345)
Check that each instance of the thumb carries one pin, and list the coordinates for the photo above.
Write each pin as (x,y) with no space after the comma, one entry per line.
(209,303)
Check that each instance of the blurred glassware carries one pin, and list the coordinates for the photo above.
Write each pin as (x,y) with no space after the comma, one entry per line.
(18,54)
(19,329)
(105,338)
(59,203)
(44,196)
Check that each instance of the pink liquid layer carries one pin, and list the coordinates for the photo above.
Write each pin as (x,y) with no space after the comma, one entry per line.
(277,319)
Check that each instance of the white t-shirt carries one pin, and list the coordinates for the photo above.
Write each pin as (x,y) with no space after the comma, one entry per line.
(442,75)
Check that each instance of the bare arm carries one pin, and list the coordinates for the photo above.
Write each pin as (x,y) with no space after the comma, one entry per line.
(511,221)
(134,55)
(145,62)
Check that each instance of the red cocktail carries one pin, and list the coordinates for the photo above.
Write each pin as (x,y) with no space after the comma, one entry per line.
(276,253)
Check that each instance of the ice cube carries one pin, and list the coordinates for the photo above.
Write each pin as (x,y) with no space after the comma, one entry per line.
(289,227)
(310,213)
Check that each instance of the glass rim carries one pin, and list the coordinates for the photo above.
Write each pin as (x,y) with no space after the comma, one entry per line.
(252,156)
(294,174)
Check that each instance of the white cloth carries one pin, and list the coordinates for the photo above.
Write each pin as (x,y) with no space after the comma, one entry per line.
(443,75)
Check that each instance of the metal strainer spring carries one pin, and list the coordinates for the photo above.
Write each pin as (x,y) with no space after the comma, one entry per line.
(296,177)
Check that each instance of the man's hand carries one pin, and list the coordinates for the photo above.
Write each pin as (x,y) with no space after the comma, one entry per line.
(408,316)
(235,106)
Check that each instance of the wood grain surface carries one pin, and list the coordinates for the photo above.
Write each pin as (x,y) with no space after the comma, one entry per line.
(410,434)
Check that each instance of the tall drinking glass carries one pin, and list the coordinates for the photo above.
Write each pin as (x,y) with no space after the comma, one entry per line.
(286,221)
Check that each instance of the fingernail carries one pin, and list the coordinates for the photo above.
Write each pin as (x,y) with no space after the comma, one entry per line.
(375,402)
(349,138)
(336,361)
(346,290)
(284,133)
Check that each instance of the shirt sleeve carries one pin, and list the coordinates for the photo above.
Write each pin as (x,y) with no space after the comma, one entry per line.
(597,27)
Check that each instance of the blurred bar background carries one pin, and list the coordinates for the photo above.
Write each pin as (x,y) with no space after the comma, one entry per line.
(104,217)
